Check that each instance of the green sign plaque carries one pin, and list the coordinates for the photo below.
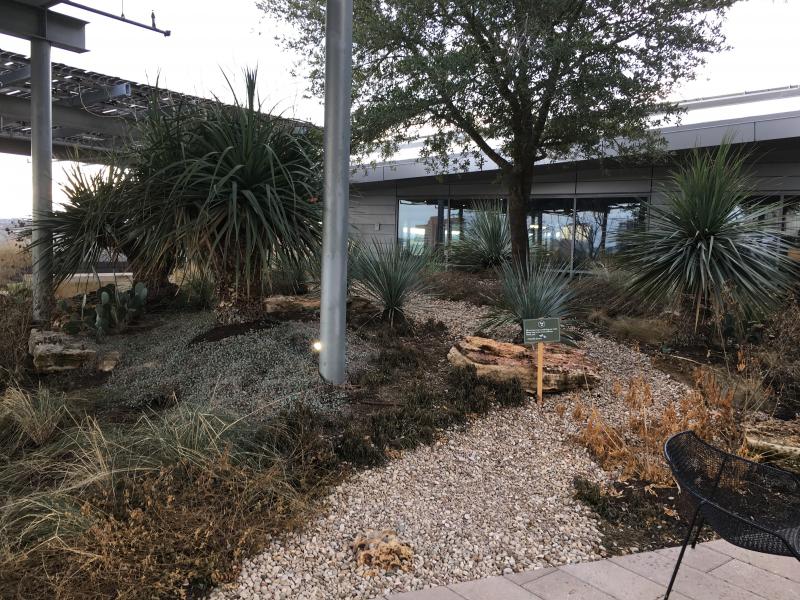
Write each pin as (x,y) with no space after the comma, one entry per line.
(545,329)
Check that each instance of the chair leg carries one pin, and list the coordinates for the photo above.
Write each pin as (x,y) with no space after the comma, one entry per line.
(683,550)
(700,524)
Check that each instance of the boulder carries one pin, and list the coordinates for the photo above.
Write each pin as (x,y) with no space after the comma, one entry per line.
(54,352)
(565,368)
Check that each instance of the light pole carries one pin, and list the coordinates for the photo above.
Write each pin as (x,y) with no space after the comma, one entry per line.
(42,163)
(338,84)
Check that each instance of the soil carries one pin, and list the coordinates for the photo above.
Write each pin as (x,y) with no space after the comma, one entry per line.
(636,517)
(412,354)
(220,332)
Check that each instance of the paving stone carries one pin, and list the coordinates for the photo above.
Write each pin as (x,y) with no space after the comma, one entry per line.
(560,585)
(492,588)
(690,582)
(700,557)
(758,581)
(528,576)
(784,566)
(437,593)
(616,581)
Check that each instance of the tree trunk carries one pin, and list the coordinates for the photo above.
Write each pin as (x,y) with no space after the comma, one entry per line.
(519,191)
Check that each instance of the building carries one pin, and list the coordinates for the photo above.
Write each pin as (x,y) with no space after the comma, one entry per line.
(578,206)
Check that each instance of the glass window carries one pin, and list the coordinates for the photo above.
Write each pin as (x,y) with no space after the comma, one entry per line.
(418,224)
(599,221)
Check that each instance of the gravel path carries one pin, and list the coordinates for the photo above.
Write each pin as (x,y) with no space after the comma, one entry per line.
(492,498)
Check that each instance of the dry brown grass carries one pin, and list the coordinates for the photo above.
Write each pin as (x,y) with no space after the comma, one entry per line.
(639,329)
(634,449)
(14,262)
(15,317)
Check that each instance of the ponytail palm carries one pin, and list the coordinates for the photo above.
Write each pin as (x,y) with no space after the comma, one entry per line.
(711,242)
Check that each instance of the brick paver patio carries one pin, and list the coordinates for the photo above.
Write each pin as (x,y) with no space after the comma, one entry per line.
(712,571)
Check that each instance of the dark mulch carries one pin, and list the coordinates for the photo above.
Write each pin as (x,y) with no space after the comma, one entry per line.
(481,289)
(635,517)
(220,332)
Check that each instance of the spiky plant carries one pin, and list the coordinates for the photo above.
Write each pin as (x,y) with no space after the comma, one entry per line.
(227,188)
(485,241)
(388,274)
(711,245)
(538,289)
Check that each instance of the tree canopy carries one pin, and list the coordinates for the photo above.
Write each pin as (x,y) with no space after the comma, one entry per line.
(514,81)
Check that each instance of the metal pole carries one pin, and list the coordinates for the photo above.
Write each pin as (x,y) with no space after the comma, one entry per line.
(338,84)
(42,161)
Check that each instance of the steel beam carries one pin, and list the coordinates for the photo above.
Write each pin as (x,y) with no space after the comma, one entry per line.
(36,23)
(19,109)
(338,84)
(42,159)
(15,76)
(94,96)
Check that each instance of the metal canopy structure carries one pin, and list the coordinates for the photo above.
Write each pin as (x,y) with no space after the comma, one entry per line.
(92,112)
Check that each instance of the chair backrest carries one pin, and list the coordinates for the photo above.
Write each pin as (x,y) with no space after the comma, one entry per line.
(696,465)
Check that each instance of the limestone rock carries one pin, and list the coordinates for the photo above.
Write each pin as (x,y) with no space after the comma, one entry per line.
(54,352)
(565,368)
(107,361)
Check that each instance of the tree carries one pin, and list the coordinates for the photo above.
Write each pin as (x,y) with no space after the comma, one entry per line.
(516,80)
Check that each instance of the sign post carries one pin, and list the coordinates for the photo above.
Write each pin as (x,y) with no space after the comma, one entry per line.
(539,331)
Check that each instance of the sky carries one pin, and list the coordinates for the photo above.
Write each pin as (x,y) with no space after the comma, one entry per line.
(209,36)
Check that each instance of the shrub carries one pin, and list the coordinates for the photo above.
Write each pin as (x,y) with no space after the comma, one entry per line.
(636,448)
(538,289)
(15,319)
(711,244)
(29,419)
(484,242)
(166,507)
(389,274)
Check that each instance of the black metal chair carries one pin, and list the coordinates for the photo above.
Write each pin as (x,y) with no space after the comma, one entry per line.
(751,505)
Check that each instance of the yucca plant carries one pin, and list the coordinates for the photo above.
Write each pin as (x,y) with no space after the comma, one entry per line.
(388,274)
(485,241)
(226,188)
(711,245)
(538,289)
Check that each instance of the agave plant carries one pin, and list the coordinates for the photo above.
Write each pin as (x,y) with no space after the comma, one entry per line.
(484,242)
(711,244)
(388,274)
(537,289)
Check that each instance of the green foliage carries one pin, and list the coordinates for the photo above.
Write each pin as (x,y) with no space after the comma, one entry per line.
(711,245)
(538,289)
(114,311)
(485,241)
(512,81)
(389,274)
(229,189)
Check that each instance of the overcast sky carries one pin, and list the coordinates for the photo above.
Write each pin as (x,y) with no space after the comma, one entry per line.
(209,35)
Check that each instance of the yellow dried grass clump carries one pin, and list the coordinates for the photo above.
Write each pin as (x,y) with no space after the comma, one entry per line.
(635,448)
(382,551)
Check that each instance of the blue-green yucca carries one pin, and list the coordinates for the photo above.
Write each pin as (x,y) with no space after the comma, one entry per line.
(538,289)
(711,244)
(485,241)
(388,274)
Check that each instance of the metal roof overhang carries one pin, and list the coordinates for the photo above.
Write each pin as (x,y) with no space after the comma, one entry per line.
(92,112)
(762,128)
(30,19)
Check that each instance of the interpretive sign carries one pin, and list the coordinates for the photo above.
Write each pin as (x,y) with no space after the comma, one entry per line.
(541,330)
